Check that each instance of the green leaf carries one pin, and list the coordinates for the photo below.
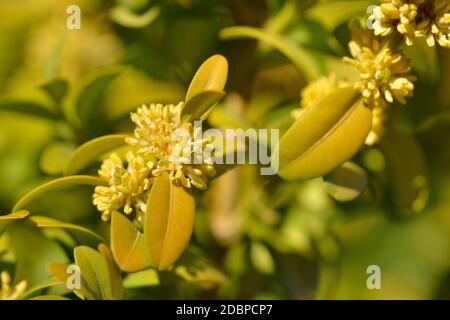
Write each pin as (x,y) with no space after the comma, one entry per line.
(46,222)
(169,221)
(56,89)
(346,182)
(302,59)
(261,258)
(145,278)
(125,17)
(6,219)
(94,272)
(91,151)
(54,157)
(406,166)
(211,76)
(28,108)
(117,291)
(58,183)
(128,244)
(324,136)
(200,104)
(33,251)
(59,271)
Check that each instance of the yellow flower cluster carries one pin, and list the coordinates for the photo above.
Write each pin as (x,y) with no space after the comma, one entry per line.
(11,293)
(413,19)
(162,143)
(384,75)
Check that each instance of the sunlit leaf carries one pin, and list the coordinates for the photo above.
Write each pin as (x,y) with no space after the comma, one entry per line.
(406,168)
(128,244)
(324,136)
(145,278)
(126,17)
(346,182)
(58,183)
(168,222)
(211,76)
(91,151)
(302,59)
(200,104)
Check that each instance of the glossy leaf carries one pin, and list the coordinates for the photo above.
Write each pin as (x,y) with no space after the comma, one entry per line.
(91,151)
(346,182)
(46,222)
(325,135)
(200,104)
(125,17)
(128,244)
(49,297)
(169,221)
(211,76)
(58,183)
(406,168)
(301,58)
(28,108)
(59,271)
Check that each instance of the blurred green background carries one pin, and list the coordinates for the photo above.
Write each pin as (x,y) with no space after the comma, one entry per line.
(267,238)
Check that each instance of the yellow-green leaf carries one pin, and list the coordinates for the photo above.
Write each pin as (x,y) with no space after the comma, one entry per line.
(324,136)
(58,183)
(145,278)
(94,272)
(115,279)
(346,182)
(128,245)
(126,17)
(169,221)
(200,104)
(49,297)
(46,222)
(406,168)
(211,76)
(90,151)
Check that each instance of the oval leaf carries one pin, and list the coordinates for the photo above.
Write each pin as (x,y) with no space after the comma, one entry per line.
(346,183)
(54,157)
(324,136)
(61,182)
(90,151)
(128,245)
(169,221)
(115,279)
(211,76)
